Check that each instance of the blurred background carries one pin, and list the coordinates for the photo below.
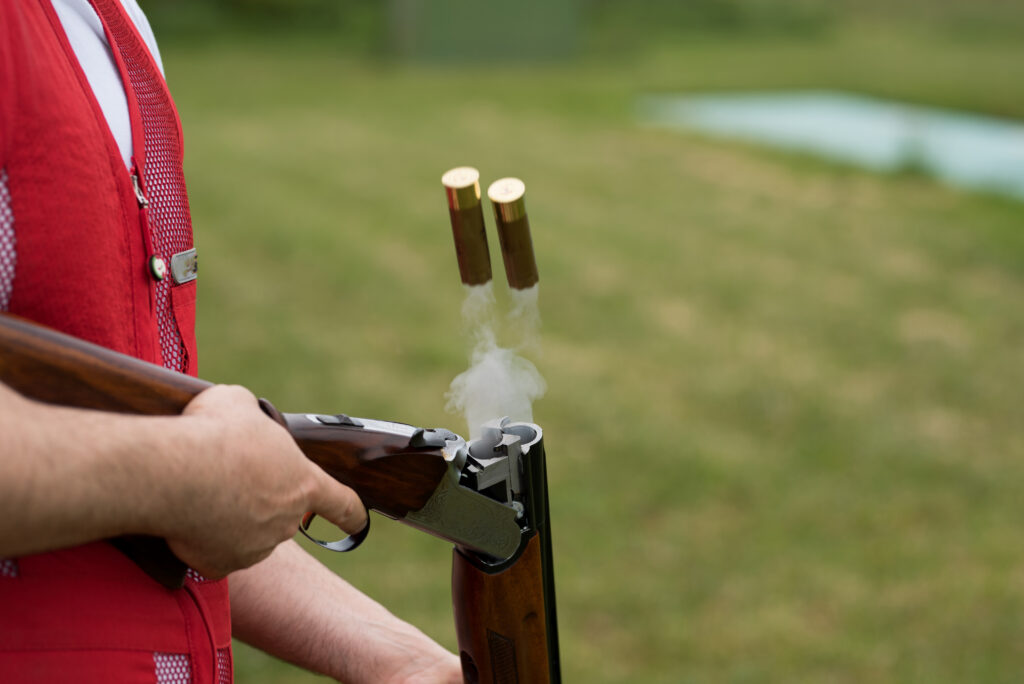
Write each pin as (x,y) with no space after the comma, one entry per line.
(784,419)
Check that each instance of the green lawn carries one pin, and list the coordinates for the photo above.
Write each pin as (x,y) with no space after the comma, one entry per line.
(784,422)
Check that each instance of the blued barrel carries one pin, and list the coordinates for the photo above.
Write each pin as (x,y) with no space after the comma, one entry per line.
(462,186)
(507,197)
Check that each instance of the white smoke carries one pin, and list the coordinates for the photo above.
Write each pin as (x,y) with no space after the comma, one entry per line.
(524,318)
(499,382)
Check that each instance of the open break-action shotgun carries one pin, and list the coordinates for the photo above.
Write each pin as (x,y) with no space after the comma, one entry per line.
(488,496)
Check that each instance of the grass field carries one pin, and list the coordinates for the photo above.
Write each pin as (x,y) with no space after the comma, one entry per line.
(784,420)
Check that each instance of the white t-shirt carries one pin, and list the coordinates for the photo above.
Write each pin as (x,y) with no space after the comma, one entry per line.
(85,33)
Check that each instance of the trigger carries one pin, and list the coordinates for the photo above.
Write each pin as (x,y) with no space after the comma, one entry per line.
(349,543)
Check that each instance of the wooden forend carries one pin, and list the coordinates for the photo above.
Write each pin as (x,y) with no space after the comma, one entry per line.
(500,619)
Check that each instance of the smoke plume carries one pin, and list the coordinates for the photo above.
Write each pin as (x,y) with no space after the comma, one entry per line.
(499,381)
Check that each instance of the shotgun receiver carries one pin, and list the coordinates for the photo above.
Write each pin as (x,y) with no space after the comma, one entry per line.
(488,497)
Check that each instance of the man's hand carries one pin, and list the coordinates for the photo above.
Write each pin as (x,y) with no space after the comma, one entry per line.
(251,488)
(223,483)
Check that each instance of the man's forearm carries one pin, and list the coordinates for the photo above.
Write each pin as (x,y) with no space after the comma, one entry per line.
(293,607)
(71,476)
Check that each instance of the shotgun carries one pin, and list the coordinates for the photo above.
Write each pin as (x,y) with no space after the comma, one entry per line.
(488,497)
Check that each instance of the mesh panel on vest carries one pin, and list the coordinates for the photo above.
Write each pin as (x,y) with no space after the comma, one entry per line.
(8,567)
(224,666)
(162,176)
(172,668)
(8,255)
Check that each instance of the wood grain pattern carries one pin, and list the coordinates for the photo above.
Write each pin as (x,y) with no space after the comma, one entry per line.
(389,475)
(55,368)
(500,619)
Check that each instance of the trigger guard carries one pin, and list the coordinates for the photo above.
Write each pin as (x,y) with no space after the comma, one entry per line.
(349,543)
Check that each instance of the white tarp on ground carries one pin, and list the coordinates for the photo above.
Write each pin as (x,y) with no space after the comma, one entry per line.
(967,150)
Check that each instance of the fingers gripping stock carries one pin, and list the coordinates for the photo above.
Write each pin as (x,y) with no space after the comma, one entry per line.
(350,542)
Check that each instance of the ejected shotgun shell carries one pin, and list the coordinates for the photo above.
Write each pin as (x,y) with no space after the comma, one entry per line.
(462,186)
(514,232)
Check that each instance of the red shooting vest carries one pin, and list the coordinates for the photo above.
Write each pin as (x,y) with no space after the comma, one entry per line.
(88,614)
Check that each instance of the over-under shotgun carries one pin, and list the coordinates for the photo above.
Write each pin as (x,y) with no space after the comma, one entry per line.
(488,496)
